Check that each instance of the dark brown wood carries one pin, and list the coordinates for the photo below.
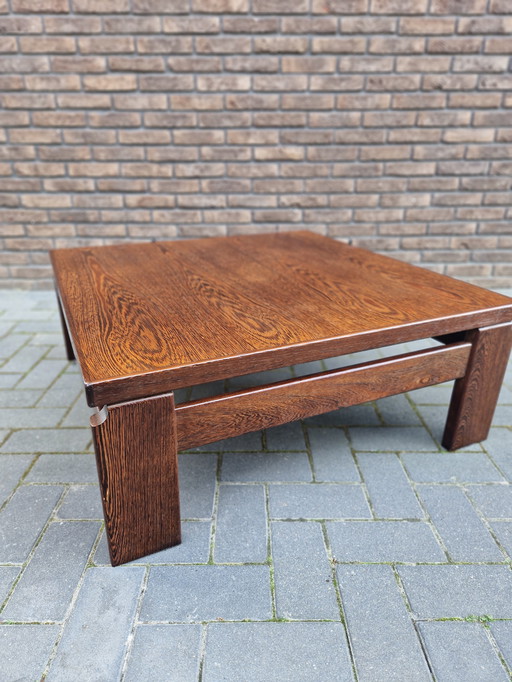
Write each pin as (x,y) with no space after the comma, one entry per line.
(149,318)
(475,395)
(212,419)
(70,353)
(136,454)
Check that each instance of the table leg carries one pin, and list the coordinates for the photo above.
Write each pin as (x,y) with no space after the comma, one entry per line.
(136,454)
(475,395)
(70,353)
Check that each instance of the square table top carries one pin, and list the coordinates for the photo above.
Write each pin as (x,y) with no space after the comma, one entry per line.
(149,317)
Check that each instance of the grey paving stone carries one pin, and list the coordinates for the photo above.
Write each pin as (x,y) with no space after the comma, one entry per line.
(259,378)
(302,572)
(499,446)
(197,485)
(24,359)
(352,359)
(46,339)
(397,411)
(494,501)
(78,415)
(395,438)
(318,501)
(12,467)
(3,434)
(391,494)
(457,591)
(7,576)
(8,380)
(241,529)
(332,458)
(48,440)
(43,373)
(22,398)
(11,343)
(502,633)
(382,635)
(194,548)
(63,392)
(64,469)
(199,593)
(286,437)
(383,541)
(22,418)
(46,587)
(356,415)
(24,313)
(465,536)
(306,368)
(288,652)
(266,466)
(461,651)
(25,650)
(435,418)
(502,415)
(450,467)
(503,531)
(207,390)
(23,518)
(82,502)
(94,641)
(167,653)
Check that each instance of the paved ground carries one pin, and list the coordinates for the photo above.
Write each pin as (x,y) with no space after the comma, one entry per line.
(346,547)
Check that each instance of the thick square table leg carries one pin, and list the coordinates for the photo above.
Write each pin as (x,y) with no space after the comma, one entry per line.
(475,395)
(136,454)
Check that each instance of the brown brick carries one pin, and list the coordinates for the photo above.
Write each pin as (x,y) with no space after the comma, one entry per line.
(399,6)
(454,45)
(164,45)
(311,25)
(21,25)
(197,102)
(136,63)
(52,82)
(84,101)
(309,64)
(79,64)
(214,82)
(166,83)
(388,119)
(337,83)
(247,24)
(14,82)
(368,24)
(427,25)
(307,102)
(101,6)
(280,44)
(252,64)
(220,6)
(24,64)
(50,6)
(28,101)
(339,6)
(396,45)
(222,45)
(339,45)
(498,45)
(421,101)
(458,6)
(161,6)
(480,63)
(480,100)
(386,82)
(195,64)
(106,44)
(202,24)
(271,119)
(424,64)
(72,25)
(280,83)
(449,82)
(47,45)
(500,6)
(279,153)
(363,101)
(365,64)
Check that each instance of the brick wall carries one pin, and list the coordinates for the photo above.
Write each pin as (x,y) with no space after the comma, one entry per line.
(383,122)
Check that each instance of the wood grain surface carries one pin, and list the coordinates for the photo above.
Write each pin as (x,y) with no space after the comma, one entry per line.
(212,419)
(136,455)
(148,318)
(475,395)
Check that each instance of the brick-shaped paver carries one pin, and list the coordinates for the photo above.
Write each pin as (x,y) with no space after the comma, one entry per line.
(247,442)
(434,417)
(286,437)
(391,494)
(266,466)
(23,418)
(197,485)
(241,528)
(502,633)
(23,519)
(494,501)
(48,440)
(381,633)
(199,593)
(95,637)
(503,532)
(59,468)
(397,411)
(394,438)
(318,501)
(63,392)
(25,650)
(302,573)
(288,652)
(43,373)
(11,343)
(439,394)
(45,589)
(498,446)
(78,415)
(383,541)
(332,458)
(21,398)
(461,651)
(355,415)
(81,502)
(12,467)
(462,531)
(457,591)
(24,359)
(450,467)
(7,576)
(167,653)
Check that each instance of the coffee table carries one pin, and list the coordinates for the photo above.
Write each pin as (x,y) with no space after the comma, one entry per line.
(144,319)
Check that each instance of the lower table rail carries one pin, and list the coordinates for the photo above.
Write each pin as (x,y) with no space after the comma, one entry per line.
(212,419)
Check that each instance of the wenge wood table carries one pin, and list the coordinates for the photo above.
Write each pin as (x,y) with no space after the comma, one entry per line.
(145,319)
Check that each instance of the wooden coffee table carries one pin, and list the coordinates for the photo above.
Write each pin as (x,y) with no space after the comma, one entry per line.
(145,319)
